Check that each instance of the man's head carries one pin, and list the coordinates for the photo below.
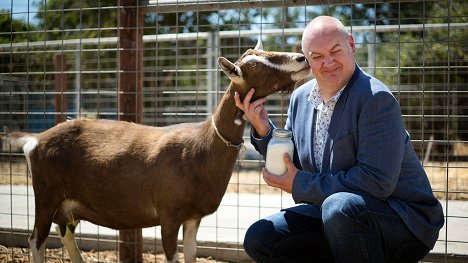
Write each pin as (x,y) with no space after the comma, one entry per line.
(330,50)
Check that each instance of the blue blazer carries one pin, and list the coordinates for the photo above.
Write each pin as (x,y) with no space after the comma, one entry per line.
(368,151)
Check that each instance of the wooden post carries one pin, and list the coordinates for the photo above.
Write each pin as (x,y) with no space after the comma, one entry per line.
(131,246)
(130,100)
(130,62)
(60,88)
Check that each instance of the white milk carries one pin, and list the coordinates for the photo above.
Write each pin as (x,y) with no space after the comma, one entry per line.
(279,144)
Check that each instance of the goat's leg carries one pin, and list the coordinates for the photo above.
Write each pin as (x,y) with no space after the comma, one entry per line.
(37,245)
(42,223)
(169,234)
(190,239)
(67,235)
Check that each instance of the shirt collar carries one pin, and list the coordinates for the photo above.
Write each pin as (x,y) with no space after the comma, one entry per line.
(316,99)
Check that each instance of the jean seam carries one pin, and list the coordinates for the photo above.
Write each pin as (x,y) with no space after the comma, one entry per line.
(363,245)
(357,219)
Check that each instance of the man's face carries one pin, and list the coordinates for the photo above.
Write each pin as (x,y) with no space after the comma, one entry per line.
(331,57)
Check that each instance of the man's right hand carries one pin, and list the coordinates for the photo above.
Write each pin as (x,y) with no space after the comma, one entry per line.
(254,112)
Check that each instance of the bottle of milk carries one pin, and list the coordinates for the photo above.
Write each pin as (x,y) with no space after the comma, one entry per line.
(279,144)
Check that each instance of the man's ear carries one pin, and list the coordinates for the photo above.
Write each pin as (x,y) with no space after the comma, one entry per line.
(233,72)
(351,43)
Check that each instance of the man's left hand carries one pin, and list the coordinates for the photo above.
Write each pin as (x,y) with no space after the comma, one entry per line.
(285,181)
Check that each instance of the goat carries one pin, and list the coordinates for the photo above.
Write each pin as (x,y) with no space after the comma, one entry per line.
(124,175)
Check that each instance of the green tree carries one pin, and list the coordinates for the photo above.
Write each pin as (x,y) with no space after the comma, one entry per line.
(68,19)
(10,28)
(433,62)
(12,31)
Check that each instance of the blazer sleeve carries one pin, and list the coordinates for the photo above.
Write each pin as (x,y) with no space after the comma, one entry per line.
(261,144)
(380,137)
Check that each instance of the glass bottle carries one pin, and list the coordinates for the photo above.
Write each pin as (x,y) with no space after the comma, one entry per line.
(279,144)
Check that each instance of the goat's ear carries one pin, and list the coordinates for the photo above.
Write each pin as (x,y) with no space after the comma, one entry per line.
(232,71)
(259,45)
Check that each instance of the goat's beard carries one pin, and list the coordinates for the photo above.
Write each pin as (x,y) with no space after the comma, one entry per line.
(287,88)
(284,89)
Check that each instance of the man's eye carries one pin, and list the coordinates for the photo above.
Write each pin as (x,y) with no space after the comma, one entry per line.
(316,57)
(336,51)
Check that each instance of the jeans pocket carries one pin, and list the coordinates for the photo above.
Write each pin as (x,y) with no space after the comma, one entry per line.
(410,253)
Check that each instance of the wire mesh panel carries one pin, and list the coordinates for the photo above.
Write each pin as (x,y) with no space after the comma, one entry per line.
(64,59)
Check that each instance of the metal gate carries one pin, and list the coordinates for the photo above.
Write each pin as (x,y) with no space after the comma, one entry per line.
(154,62)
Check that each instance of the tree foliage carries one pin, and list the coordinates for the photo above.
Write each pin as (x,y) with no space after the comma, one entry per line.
(10,28)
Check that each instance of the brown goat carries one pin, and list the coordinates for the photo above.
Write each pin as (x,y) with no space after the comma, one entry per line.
(125,176)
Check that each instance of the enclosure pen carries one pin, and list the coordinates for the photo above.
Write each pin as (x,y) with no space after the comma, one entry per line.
(154,62)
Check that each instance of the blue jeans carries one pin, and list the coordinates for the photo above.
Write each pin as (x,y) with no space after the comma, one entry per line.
(353,228)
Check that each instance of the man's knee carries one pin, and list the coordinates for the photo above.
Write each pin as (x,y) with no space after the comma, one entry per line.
(341,206)
(255,236)
(250,238)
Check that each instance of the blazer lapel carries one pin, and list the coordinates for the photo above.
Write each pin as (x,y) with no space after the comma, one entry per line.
(332,130)
(312,139)
(335,122)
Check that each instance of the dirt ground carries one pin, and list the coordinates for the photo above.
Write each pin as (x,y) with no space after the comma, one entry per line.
(22,255)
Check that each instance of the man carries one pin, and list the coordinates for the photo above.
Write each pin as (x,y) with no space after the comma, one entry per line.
(363,195)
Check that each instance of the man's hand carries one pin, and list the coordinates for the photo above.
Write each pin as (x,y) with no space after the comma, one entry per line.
(254,112)
(285,181)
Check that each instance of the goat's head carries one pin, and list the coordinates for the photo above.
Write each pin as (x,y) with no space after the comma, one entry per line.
(267,72)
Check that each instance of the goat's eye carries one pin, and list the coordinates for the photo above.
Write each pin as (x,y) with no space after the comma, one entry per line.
(253,64)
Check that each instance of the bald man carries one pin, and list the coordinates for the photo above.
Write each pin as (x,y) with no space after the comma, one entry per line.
(361,192)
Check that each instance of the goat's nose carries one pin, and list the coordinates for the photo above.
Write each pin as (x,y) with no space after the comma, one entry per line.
(301,58)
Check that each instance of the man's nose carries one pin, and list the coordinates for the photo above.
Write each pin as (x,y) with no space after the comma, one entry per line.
(329,60)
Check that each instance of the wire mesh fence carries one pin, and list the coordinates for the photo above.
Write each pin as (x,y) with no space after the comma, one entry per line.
(67,59)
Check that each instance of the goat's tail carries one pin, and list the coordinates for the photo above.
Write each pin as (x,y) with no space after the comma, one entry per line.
(16,139)
(5,133)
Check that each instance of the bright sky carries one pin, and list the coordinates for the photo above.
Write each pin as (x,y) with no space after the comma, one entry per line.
(20,8)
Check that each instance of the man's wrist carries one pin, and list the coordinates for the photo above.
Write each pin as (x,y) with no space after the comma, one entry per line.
(260,134)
